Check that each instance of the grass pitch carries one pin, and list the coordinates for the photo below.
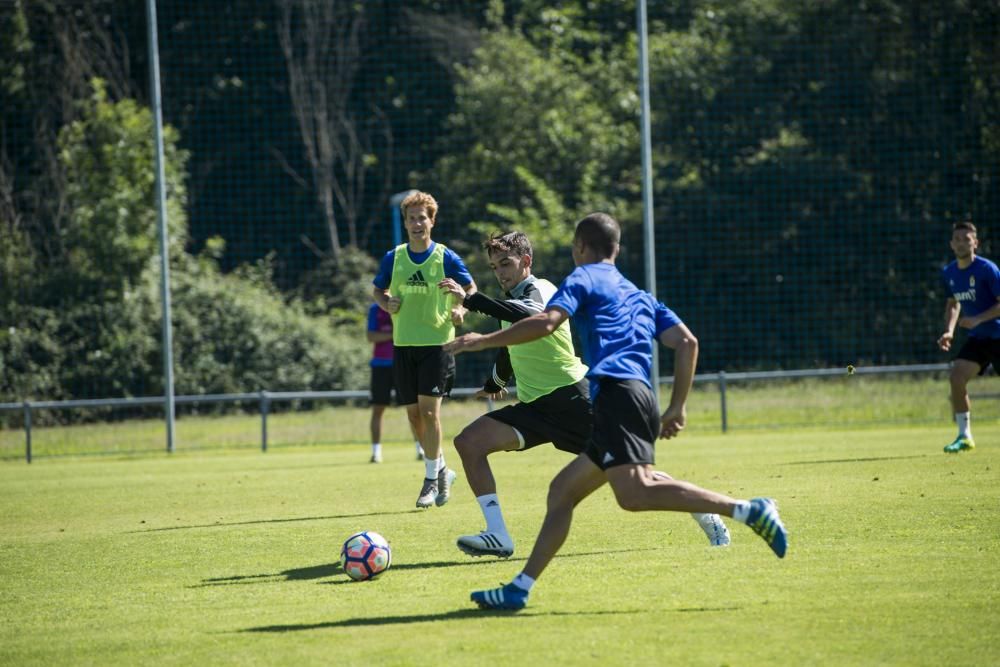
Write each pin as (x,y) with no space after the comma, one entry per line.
(231,558)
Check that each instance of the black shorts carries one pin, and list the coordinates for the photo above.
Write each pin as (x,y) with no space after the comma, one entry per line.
(563,417)
(422,370)
(626,424)
(983,351)
(382,385)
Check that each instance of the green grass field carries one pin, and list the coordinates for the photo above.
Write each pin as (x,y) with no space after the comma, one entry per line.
(230,557)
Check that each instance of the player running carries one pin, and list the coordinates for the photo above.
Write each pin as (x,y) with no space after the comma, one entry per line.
(554,398)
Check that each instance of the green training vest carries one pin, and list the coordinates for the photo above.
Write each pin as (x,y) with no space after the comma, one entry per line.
(546,364)
(424,316)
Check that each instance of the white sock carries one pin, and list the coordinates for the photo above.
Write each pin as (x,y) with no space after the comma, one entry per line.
(964,421)
(523,581)
(420,450)
(742,511)
(490,505)
(430,468)
(376,449)
(440,462)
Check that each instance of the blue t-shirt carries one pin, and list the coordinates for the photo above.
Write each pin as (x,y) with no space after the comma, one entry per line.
(616,321)
(976,288)
(454,267)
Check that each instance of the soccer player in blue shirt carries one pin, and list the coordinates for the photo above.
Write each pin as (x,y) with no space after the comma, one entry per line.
(973,285)
(617,323)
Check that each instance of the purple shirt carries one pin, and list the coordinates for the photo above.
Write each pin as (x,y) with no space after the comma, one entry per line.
(379,320)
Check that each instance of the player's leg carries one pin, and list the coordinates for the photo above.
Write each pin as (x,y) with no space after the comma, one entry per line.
(962,371)
(428,416)
(573,483)
(474,444)
(375,426)
(435,376)
(712,524)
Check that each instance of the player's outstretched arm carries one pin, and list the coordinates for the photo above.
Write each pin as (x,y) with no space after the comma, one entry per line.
(525,331)
(951,312)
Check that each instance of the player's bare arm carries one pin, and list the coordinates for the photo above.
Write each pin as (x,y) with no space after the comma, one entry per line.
(390,304)
(525,331)
(685,346)
(951,311)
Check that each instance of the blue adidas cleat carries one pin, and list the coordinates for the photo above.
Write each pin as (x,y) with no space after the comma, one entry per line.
(508,597)
(764,521)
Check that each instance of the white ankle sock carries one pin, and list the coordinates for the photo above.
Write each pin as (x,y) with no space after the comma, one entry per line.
(490,505)
(742,511)
(376,449)
(430,468)
(523,581)
(964,421)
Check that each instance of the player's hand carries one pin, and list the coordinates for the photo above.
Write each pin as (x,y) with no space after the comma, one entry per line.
(496,396)
(393,304)
(944,342)
(458,315)
(672,422)
(969,322)
(451,287)
(470,342)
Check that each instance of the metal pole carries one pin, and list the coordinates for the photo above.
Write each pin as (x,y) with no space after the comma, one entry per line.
(27,431)
(397,215)
(647,174)
(722,400)
(161,210)
(265,407)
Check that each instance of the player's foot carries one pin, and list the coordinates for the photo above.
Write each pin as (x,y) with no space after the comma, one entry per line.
(962,443)
(428,493)
(764,521)
(487,544)
(376,458)
(714,527)
(506,597)
(446,477)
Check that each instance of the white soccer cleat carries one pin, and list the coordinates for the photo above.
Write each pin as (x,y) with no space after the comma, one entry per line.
(487,544)
(715,529)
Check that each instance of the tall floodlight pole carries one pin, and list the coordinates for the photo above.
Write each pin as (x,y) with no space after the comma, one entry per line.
(161,210)
(647,173)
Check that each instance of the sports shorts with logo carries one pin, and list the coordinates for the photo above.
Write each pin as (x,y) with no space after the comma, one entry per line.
(381,386)
(626,424)
(983,351)
(563,417)
(422,370)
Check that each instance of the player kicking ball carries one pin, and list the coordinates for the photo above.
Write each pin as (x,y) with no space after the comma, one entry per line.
(617,323)
(554,398)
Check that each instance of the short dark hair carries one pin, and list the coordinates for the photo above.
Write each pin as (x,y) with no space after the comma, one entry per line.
(600,232)
(515,243)
(965,224)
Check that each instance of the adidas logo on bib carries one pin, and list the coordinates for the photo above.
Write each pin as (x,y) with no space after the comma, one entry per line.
(417,279)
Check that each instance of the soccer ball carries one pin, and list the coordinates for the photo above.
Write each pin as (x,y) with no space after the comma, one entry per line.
(365,556)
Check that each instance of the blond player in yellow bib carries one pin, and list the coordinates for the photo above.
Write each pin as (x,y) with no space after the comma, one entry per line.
(423,320)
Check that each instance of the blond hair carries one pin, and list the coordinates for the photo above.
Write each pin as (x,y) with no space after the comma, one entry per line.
(418,198)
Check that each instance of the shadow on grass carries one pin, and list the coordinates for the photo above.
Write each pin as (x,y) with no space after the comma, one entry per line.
(331,569)
(858,460)
(220,524)
(472,614)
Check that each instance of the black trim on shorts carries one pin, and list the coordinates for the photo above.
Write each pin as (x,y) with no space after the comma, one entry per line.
(563,417)
(626,424)
(422,370)
(982,351)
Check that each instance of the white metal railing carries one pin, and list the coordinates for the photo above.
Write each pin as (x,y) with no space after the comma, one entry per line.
(266,398)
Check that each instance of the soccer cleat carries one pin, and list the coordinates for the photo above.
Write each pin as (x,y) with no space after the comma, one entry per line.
(506,597)
(487,544)
(376,458)
(714,527)
(764,520)
(962,443)
(428,493)
(446,477)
